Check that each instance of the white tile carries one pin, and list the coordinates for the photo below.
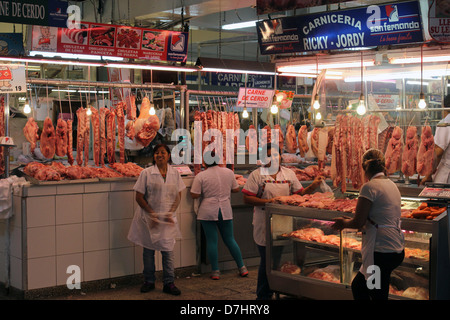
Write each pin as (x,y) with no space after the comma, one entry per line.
(41,272)
(37,190)
(96,187)
(187,223)
(96,265)
(95,207)
(15,245)
(121,205)
(69,238)
(96,236)
(138,260)
(69,209)
(70,188)
(16,273)
(41,242)
(121,262)
(118,232)
(188,253)
(123,185)
(186,203)
(16,219)
(63,262)
(40,211)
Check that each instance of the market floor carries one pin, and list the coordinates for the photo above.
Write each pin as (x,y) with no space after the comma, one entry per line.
(194,287)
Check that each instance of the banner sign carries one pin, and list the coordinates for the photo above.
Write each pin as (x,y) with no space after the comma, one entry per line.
(34,12)
(439,20)
(376,25)
(12,78)
(255,98)
(238,80)
(112,40)
(284,99)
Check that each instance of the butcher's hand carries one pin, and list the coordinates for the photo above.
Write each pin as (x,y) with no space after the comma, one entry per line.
(316,183)
(425,179)
(340,223)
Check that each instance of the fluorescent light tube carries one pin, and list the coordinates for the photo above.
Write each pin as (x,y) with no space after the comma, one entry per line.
(418,60)
(74,56)
(237,71)
(149,67)
(240,25)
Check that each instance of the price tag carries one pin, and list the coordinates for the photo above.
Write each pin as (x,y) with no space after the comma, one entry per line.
(184,170)
(12,78)
(443,193)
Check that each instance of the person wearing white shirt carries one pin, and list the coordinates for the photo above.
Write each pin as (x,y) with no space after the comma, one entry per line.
(154,226)
(261,188)
(441,170)
(214,187)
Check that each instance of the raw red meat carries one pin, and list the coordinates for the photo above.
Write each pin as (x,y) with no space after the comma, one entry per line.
(121,130)
(48,139)
(425,156)
(148,131)
(291,139)
(103,113)
(131,107)
(82,131)
(95,118)
(61,138)
(111,136)
(302,140)
(31,133)
(409,157)
(394,151)
(69,142)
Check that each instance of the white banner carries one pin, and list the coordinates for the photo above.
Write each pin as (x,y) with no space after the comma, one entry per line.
(255,98)
(12,78)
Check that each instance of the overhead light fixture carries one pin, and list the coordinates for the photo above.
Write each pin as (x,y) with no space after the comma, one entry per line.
(245,113)
(240,25)
(26,108)
(419,60)
(274,109)
(149,67)
(361,109)
(309,75)
(309,68)
(316,104)
(422,104)
(318,116)
(88,111)
(235,66)
(47,61)
(152,111)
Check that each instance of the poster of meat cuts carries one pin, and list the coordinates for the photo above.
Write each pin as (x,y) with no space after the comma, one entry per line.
(112,40)
(12,78)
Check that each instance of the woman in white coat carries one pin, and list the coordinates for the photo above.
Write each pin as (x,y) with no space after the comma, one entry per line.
(214,186)
(154,226)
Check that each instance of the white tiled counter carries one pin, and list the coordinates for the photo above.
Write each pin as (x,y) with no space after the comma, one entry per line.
(83,224)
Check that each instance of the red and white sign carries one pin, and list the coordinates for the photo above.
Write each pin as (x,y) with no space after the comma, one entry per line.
(439,20)
(255,98)
(112,40)
(386,101)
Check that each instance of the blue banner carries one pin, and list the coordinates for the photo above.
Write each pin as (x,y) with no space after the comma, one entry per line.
(376,25)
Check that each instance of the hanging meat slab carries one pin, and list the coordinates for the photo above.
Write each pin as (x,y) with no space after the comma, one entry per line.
(111,136)
(394,151)
(409,157)
(48,139)
(95,118)
(103,112)
(302,140)
(291,139)
(61,138)
(30,132)
(426,155)
(121,130)
(69,142)
(131,107)
(81,132)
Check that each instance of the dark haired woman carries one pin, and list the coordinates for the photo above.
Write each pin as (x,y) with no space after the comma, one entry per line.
(215,185)
(377,213)
(154,226)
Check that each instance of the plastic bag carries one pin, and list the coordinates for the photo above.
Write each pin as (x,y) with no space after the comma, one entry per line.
(324,187)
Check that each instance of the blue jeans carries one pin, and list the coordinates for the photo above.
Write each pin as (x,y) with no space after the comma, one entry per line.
(167,264)
(226,231)
(263,291)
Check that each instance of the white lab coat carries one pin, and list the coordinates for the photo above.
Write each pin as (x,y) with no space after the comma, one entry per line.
(442,140)
(160,195)
(215,185)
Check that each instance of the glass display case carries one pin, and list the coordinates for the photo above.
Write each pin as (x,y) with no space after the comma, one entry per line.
(308,258)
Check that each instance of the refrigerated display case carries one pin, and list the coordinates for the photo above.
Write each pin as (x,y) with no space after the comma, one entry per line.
(308,258)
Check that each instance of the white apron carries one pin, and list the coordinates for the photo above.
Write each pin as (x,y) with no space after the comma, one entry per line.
(369,236)
(159,233)
(442,174)
(270,189)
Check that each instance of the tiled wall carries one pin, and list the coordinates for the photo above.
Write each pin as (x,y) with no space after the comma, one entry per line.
(84,225)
